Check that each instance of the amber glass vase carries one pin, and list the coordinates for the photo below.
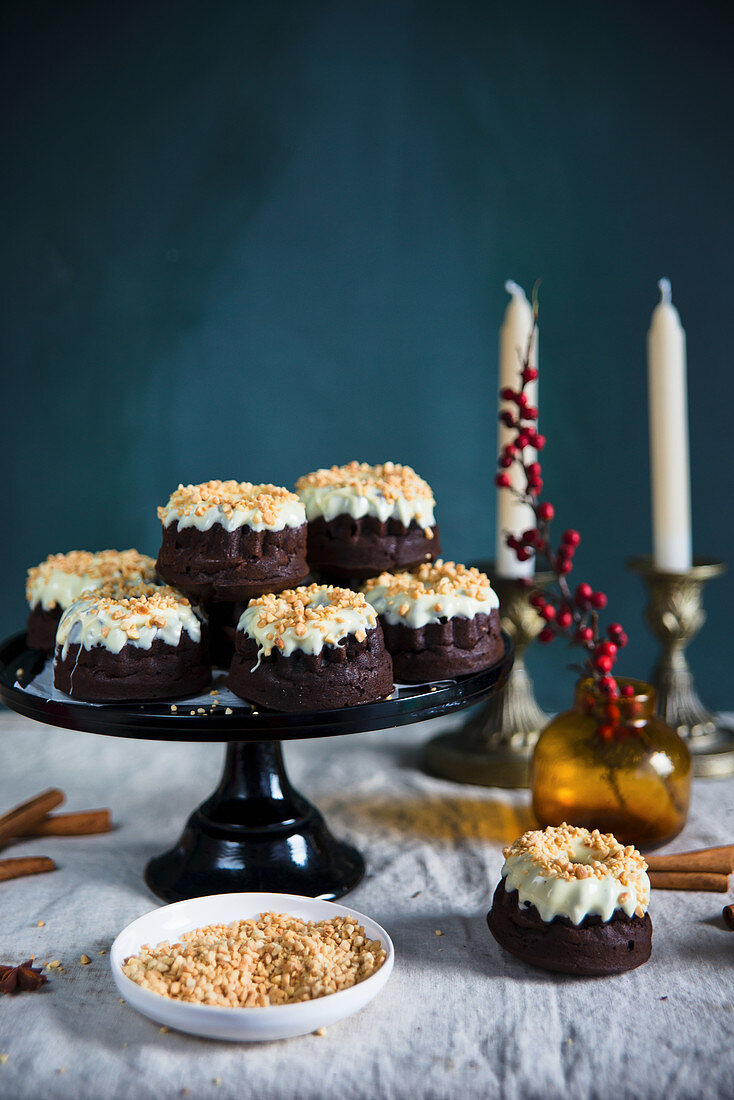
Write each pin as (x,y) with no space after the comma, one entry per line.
(613,766)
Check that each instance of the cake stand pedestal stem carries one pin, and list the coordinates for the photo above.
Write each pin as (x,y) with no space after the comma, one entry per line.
(255,833)
(675,615)
(494,748)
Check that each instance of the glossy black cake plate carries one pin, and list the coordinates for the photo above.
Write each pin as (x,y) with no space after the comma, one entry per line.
(255,832)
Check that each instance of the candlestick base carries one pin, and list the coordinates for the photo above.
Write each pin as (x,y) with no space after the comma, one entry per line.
(675,615)
(495,747)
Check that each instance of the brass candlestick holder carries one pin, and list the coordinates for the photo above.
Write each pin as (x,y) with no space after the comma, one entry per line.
(495,746)
(675,615)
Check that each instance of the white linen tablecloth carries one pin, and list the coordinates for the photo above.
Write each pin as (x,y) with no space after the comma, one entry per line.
(459,1017)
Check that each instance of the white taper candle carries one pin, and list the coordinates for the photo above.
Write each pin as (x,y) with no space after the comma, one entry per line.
(513,516)
(669,461)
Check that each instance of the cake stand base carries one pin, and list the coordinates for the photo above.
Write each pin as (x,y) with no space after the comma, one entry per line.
(255,833)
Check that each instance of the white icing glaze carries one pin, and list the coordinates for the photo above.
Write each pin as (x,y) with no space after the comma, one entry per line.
(427,607)
(331,501)
(52,586)
(92,621)
(574,898)
(233,508)
(309,636)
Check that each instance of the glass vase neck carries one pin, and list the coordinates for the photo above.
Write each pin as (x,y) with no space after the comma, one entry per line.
(626,708)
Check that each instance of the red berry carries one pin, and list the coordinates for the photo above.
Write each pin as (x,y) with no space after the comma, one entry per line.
(521,400)
(598,600)
(604,664)
(583,594)
(531,536)
(506,461)
(564,619)
(522,554)
(546,512)
(622,640)
(539,442)
(606,649)
(502,481)
(614,629)
(534,470)
(606,732)
(529,374)
(522,439)
(546,635)
(508,394)
(571,537)
(530,413)
(584,634)
(628,691)
(548,612)
(512,542)
(563,565)
(609,686)
(537,600)
(511,450)
(508,419)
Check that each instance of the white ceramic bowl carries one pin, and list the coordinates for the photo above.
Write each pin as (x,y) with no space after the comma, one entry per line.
(242,1024)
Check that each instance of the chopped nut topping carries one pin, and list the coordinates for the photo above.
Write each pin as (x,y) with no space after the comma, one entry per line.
(391,479)
(314,606)
(122,566)
(444,578)
(554,851)
(266,501)
(270,959)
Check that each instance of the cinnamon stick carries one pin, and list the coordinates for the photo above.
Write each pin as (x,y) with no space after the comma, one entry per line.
(28,865)
(719,860)
(21,818)
(78,823)
(689,880)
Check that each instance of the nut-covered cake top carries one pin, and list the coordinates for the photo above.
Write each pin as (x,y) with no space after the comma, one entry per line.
(441,590)
(149,612)
(233,504)
(306,618)
(62,578)
(388,491)
(571,872)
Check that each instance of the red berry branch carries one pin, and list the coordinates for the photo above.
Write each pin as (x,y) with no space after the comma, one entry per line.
(573,614)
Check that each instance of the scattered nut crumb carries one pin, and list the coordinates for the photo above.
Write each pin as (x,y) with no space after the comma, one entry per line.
(122,1000)
(200,710)
(55,964)
(321,1031)
(174,707)
(3,1059)
(61,1069)
(102,952)
(41,924)
(19,673)
(85,960)
(217,1081)
(229,710)
(214,692)
(439,932)
(192,712)
(163,1030)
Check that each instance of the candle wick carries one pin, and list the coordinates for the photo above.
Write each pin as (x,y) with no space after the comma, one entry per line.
(665,291)
(515,290)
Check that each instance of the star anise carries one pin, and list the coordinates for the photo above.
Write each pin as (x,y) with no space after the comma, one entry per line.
(24,978)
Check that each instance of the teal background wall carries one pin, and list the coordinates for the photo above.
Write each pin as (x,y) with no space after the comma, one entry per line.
(244,240)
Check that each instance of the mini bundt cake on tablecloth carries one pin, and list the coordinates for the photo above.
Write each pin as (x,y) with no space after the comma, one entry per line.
(573,901)
(58,581)
(231,540)
(150,644)
(365,519)
(440,621)
(313,648)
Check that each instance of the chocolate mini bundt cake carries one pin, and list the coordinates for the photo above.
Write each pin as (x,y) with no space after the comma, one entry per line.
(150,644)
(314,648)
(439,622)
(61,579)
(365,519)
(231,540)
(573,901)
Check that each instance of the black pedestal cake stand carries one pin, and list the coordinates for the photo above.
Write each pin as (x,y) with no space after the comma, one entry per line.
(255,832)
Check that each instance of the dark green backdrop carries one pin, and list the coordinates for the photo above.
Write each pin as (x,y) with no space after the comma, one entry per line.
(244,240)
